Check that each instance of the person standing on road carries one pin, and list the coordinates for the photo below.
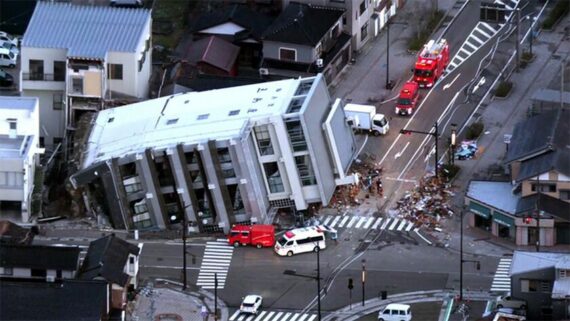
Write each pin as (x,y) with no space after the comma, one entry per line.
(204,313)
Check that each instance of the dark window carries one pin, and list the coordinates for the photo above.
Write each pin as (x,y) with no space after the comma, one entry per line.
(13,125)
(141,62)
(296,135)
(544,188)
(39,273)
(57,140)
(58,274)
(224,155)
(42,142)
(36,69)
(287,54)
(59,70)
(57,101)
(305,169)
(273,177)
(335,30)
(565,194)
(115,71)
(228,173)
(364,32)
(77,85)
(362,7)
(263,140)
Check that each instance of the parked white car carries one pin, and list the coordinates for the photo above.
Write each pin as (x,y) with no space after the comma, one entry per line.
(10,46)
(7,58)
(506,301)
(8,37)
(251,304)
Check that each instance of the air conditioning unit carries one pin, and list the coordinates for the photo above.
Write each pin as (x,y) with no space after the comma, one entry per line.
(263,71)
(319,63)
(50,278)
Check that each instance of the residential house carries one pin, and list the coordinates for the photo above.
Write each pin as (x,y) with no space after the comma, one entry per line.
(68,300)
(79,59)
(214,56)
(238,24)
(47,263)
(115,261)
(534,207)
(19,155)
(249,152)
(363,19)
(542,279)
(305,40)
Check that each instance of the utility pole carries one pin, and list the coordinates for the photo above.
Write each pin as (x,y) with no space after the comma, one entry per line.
(363,280)
(461,256)
(538,212)
(388,85)
(319,283)
(184,263)
(517,52)
(215,296)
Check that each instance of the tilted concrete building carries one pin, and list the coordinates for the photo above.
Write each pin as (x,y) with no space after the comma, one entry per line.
(221,156)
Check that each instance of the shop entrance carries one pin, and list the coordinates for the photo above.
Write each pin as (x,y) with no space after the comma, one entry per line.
(482,222)
(504,231)
(532,235)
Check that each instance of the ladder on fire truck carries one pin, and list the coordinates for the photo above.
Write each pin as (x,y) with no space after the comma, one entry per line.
(432,50)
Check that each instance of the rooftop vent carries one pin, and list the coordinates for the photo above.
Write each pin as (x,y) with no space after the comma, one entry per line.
(234,112)
(203,116)
(172,121)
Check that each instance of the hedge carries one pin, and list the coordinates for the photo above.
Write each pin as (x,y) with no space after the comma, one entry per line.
(416,43)
(503,89)
(559,10)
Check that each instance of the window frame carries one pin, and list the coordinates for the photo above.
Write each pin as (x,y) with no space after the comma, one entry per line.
(281,49)
(115,71)
(55,73)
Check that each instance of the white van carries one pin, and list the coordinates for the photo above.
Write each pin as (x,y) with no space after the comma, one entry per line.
(395,312)
(300,240)
(7,58)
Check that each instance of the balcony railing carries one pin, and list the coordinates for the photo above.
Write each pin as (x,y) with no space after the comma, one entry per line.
(43,77)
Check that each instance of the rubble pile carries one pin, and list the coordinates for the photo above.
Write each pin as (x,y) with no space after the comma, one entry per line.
(426,204)
(369,184)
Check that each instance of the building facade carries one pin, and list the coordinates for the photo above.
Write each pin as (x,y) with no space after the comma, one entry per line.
(219,157)
(19,155)
(79,59)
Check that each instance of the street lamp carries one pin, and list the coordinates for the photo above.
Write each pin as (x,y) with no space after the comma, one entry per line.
(363,279)
(453,143)
(530,39)
(318,278)
(388,84)
(435,135)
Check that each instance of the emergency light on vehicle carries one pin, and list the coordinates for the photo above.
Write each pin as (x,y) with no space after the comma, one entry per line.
(289,234)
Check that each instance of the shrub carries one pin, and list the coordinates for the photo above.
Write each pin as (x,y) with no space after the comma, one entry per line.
(474,130)
(527,56)
(559,10)
(503,89)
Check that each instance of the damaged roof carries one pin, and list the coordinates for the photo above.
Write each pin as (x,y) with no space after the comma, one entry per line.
(253,22)
(39,257)
(214,51)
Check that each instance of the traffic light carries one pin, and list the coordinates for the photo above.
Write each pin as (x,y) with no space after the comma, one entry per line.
(405,132)
(350,284)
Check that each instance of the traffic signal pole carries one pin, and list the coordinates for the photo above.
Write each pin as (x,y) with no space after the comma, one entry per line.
(435,134)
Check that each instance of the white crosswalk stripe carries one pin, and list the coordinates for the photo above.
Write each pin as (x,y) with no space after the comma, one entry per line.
(378,221)
(336,219)
(215,263)
(501,280)
(362,220)
(401,226)
(386,222)
(344,219)
(369,222)
(409,227)
(352,220)
(327,220)
(394,224)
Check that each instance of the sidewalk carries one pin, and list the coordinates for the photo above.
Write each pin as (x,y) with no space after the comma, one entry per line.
(165,300)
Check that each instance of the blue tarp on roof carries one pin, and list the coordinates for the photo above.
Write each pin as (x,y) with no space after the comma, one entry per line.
(88,32)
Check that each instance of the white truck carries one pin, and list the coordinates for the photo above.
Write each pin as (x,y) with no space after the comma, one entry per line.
(365,118)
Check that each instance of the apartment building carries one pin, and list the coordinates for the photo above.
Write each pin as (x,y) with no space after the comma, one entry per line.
(19,155)
(219,157)
(79,59)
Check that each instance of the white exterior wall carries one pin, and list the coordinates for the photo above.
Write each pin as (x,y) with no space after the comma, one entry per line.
(27,125)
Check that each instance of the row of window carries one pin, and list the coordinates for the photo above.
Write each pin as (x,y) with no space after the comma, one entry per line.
(114,71)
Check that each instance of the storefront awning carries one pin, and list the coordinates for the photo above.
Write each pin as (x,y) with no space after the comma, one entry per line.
(503,219)
(479,209)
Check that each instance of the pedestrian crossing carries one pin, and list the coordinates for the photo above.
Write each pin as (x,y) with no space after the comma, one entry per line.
(501,280)
(368,222)
(480,35)
(215,263)
(273,316)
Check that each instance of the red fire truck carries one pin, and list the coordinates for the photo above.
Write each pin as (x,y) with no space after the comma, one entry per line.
(256,235)
(408,99)
(431,63)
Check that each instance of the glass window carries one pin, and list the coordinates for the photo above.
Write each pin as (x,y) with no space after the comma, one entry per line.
(224,155)
(36,69)
(57,101)
(296,135)
(228,173)
(362,7)
(423,73)
(115,71)
(305,169)
(364,32)
(404,101)
(273,177)
(287,54)
(263,140)
(59,70)
(77,85)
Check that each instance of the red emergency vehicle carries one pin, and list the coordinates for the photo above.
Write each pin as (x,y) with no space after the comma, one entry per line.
(408,99)
(256,235)
(431,63)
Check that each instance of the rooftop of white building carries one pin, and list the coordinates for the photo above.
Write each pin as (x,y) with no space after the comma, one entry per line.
(190,118)
(14,148)
(15,102)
